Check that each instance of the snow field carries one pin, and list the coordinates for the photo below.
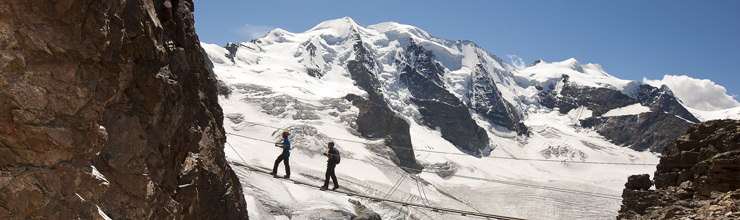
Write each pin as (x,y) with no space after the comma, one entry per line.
(377,180)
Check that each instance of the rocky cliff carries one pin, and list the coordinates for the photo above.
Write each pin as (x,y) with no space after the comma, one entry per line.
(698,177)
(646,131)
(375,122)
(438,107)
(598,100)
(107,110)
(363,71)
(487,100)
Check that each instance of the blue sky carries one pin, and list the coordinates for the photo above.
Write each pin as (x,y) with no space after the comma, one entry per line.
(630,39)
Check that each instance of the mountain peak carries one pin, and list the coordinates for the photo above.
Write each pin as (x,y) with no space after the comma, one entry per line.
(395,27)
(342,25)
(538,61)
(277,32)
(571,61)
(573,64)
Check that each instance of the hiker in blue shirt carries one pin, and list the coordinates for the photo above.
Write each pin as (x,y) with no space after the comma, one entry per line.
(285,156)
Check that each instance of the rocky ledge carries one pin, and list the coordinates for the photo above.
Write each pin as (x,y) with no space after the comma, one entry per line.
(698,177)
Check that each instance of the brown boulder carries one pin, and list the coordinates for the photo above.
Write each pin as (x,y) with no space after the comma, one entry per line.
(641,182)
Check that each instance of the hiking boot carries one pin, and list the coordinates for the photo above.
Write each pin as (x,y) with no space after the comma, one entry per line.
(324,188)
(286,177)
(335,188)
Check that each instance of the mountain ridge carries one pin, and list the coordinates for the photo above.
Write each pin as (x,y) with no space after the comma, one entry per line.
(453,109)
(460,64)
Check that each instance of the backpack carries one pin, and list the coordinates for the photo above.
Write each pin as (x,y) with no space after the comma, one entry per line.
(336,156)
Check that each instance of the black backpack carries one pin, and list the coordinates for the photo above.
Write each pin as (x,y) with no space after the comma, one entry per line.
(336,156)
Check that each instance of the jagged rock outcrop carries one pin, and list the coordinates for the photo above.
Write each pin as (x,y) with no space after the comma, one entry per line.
(232,48)
(662,100)
(486,99)
(598,100)
(652,130)
(646,131)
(364,72)
(312,69)
(107,109)
(641,182)
(698,177)
(709,155)
(538,61)
(438,107)
(375,122)
(376,119)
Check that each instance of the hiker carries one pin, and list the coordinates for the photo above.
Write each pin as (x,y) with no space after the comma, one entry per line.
(334,158)
(285,156)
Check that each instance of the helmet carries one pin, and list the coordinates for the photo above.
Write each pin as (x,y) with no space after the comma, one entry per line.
(286,133)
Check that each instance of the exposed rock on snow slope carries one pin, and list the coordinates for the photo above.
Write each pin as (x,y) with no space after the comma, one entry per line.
(438,107)
(590,86)
(374,121)
(645,131)
(477,127)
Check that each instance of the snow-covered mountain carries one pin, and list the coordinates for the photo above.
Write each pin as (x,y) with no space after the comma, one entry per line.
(436,122)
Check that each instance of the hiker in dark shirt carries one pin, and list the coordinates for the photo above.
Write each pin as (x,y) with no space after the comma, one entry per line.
(285,156)
(334,159)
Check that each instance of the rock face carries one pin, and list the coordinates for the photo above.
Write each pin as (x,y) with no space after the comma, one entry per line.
(364,72)
(107,110)
(698,177)
(232,48)
(438,107)
(486,99)
(662,100)
(647,131)
(375,122)
(376,119)
(598,100)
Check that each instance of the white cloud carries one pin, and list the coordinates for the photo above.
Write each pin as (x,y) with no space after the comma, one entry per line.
(702,94)
(254,31)
(517,62)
